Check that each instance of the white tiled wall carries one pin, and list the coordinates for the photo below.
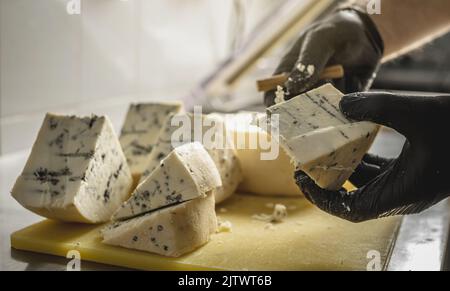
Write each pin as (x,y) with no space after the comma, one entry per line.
(170,54)
(40,56)
(115,51)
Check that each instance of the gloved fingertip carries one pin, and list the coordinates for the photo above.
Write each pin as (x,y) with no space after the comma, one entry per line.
(354,106)
(349,100)
(299,173)
(302,178)
(358,95)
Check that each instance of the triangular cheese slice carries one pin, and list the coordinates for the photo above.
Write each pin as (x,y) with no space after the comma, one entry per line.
(330,155)
(188,172)
(171,231)
(76,171)
(320,140)
(221,148)
(308,112)
(141,129)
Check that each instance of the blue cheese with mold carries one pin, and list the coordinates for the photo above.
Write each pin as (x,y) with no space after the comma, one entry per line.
(188,172)
(320,140)
(308,112)
(171,231)
(76,171)
(330,155)
(141,129)
(222,151)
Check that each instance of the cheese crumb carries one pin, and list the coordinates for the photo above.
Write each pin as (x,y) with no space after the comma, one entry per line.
(346,207)
(301,67)
(311,70)
(279,95)
(278,215)
(225,226)
(307,71)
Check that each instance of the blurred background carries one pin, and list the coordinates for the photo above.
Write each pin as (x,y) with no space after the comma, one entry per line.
(110,54)
(114,52)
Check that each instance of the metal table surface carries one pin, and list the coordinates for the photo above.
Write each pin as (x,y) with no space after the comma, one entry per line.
(421,242)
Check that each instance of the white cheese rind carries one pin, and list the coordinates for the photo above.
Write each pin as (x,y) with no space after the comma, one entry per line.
(188,172)
(224,156)
(226,161)
(171,231)
(141,129)
(76,171)
(272,177)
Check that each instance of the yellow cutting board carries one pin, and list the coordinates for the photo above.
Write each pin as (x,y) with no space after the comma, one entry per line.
(309,239)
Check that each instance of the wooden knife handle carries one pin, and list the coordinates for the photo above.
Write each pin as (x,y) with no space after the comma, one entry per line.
(332,72)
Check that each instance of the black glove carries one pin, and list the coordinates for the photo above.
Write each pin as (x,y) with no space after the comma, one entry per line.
(347,37)
(418,179)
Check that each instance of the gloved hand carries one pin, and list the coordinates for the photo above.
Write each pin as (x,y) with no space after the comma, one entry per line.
(348,38)
(418,179)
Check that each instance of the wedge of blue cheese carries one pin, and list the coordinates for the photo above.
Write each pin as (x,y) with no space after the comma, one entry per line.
(308,112)
(141,129)
(188,172)
(171,231)
(320,140)
(76,171)
(332,153)
(221,149)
